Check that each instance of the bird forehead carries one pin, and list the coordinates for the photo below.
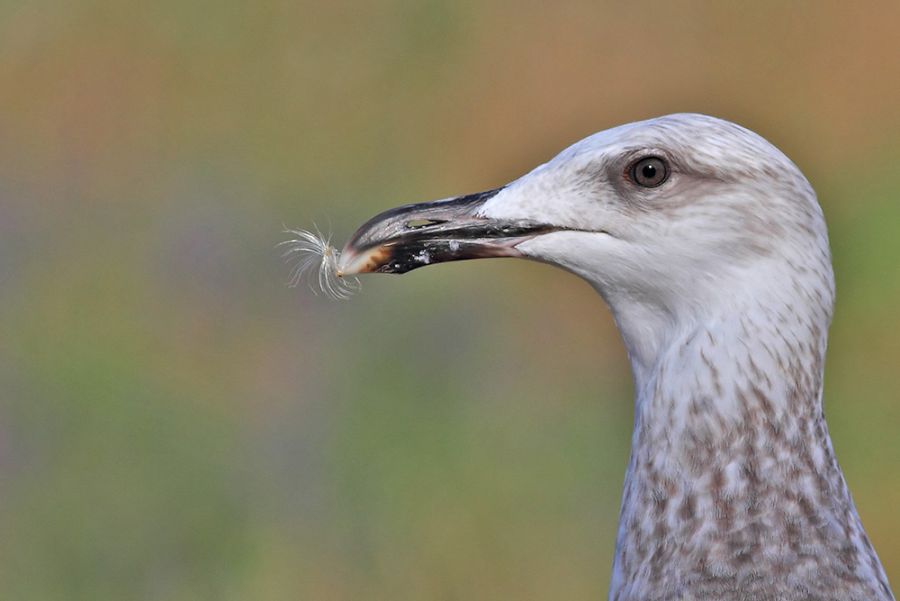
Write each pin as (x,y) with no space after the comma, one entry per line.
(699,143)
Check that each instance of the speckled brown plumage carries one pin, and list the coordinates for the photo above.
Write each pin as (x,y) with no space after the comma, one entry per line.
(744,506)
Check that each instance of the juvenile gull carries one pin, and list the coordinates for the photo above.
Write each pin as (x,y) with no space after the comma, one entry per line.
(711,250)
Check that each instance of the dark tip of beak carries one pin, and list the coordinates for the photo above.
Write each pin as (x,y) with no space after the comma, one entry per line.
(411,236)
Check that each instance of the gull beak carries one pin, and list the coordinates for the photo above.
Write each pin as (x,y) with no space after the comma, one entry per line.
(412,236)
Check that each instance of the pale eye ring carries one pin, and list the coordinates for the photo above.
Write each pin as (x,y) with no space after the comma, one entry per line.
(649,172)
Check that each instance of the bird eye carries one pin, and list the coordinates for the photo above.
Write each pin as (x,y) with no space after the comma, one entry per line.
(649,172)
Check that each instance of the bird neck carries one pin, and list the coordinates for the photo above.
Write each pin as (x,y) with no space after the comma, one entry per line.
(732,468)
(759,364)
(727,387)
(717,344)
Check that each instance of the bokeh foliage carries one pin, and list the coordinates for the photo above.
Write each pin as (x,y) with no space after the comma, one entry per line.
(177,424)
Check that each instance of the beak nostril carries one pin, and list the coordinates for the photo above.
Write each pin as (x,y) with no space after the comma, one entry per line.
(415,224)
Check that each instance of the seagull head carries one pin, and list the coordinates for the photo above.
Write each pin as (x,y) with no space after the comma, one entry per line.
(670,219)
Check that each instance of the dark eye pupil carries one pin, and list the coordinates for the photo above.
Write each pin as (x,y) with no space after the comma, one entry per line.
(649,172)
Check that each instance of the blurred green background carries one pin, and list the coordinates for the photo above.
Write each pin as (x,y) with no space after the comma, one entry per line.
(177,424)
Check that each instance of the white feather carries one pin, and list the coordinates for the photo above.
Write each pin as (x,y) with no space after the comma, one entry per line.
(315,261)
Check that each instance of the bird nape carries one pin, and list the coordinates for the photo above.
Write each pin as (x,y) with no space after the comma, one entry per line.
(710,248)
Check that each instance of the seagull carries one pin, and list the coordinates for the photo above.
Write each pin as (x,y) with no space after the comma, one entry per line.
(710,249)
